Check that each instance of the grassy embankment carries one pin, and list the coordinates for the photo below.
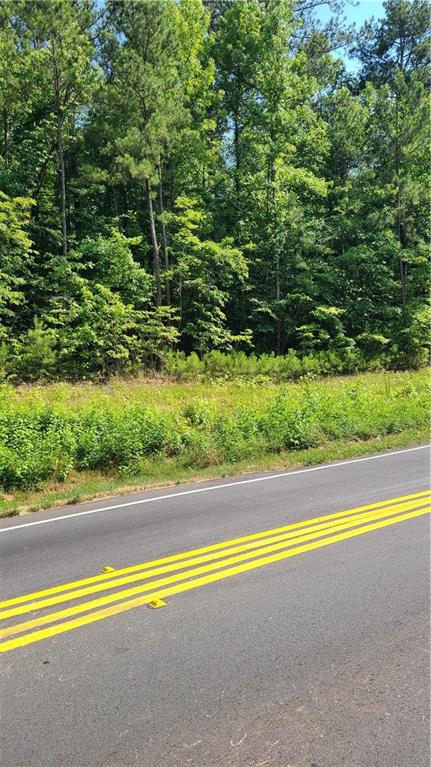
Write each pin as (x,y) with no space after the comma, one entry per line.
(67,442)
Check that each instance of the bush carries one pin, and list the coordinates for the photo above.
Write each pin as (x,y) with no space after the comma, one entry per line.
(112,438)
(236,366)
(35,354)
(112,434)
(35,446)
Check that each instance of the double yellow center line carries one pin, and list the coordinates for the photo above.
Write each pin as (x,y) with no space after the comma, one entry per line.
(189,570)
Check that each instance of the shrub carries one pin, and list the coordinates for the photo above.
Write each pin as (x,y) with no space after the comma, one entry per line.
(290,423)
(110,433)
(112,438)
(35,355)
(35,446)
(235,366)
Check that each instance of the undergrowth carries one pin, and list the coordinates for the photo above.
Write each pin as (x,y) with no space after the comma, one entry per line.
(46,433)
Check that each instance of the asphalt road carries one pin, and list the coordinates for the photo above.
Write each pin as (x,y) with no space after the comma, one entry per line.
(303,647)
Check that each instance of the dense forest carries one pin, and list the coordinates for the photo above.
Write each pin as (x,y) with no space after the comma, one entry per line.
(188,175)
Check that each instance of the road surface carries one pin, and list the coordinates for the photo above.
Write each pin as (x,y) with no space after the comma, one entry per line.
(290,626)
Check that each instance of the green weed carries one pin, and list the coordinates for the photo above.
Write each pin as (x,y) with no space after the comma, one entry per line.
(125,429)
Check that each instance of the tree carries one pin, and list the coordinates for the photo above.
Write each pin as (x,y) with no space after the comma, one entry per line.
(397,43)
(102,311)
(217,158)
(395,56)
(277,142)
(147,82)
(15,259)
(59,32)
(205,271)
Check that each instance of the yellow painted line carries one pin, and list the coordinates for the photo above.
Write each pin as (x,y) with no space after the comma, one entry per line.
(213,547)
(60,628)
(249,546)
(102,601)
(314,532)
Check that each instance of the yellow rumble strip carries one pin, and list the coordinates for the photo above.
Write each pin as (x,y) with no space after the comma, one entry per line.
(161,578)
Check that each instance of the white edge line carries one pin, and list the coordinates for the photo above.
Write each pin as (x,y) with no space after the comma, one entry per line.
(213,487)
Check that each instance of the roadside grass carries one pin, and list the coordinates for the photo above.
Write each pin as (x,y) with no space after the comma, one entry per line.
(66,443)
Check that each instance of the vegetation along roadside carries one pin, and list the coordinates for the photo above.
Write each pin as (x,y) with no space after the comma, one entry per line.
(67,442)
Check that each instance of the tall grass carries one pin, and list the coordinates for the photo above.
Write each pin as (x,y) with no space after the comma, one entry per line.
(45,433)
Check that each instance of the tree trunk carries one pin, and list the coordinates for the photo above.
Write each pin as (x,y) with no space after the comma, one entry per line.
(237,153)
(401,262)
(398,204)
(277,298)
(60,151)
(62,185)
(154,244)
(5,137)
(164,240)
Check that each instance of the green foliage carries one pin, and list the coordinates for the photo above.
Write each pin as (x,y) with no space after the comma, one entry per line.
(113,438)
(204,272)
(98,333)
(239,366)
(15,254)
(35,353)
(177,174)
(34,446)
(109,261)
(413,347)
(101,320)
(45,436)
